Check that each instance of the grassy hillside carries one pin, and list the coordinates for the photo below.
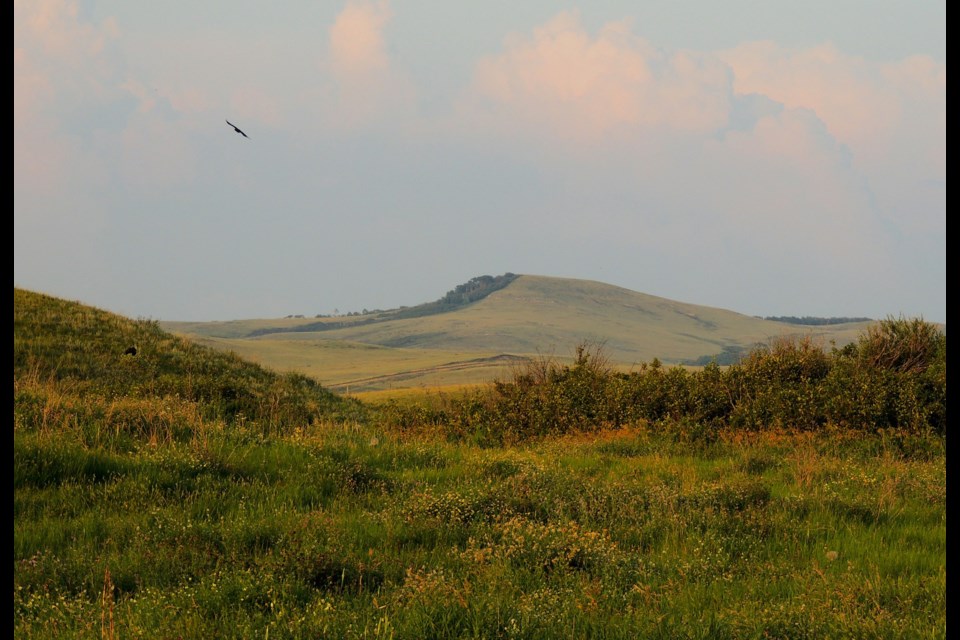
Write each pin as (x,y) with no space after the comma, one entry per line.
(530,316)
(182,492)
(107,358)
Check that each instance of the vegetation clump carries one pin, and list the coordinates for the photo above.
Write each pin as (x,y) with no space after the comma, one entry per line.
(471,291)
(893,377)
(816,321)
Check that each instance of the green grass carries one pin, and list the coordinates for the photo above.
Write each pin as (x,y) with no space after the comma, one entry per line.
(187,493)
(341,531)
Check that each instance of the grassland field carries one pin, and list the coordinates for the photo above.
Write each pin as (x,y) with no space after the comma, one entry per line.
(187,492)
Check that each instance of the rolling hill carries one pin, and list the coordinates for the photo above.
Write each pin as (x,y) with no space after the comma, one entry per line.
(477,339)
(136,366)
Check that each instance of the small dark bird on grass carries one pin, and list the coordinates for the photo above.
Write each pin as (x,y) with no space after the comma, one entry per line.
(131,351)
(237,129)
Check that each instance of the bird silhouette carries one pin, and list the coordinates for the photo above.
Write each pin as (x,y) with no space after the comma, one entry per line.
(237,129)
(131,351)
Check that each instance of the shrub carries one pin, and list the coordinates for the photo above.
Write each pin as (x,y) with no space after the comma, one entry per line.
(894,377)
(899,344)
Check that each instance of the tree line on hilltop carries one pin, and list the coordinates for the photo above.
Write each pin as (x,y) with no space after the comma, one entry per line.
(815,321)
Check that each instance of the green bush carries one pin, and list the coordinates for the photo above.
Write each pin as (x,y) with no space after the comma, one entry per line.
(902,345)
(893,377)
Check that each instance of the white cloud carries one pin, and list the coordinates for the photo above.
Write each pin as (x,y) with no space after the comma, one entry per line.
(829,174)
(787,189)
(562,83)
(369,89)
(61,68)
(356,39)
(675,155)
(892,117)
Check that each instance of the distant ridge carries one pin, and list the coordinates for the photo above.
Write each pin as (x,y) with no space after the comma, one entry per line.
(530,314)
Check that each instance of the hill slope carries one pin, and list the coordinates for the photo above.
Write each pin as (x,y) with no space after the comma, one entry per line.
(103,357)
(552,315)
(529,316)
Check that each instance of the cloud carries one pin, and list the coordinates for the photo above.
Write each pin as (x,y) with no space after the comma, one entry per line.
(566,84)
(858,99)
(575,151)
(88,142)
(356,39)
(796,155)
(891,116)
(672,156)
(368,87)
(786,190)
(61,68)
(52,26)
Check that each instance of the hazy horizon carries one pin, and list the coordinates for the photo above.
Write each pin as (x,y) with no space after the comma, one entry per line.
(773,159)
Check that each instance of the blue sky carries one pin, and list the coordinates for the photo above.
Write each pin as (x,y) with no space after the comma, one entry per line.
(772,158)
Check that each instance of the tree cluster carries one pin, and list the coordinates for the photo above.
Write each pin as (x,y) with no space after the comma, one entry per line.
(814,321)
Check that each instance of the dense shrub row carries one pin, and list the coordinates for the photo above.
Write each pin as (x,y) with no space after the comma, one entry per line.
(893,376)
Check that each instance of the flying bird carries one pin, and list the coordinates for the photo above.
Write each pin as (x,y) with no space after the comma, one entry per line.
(237,129)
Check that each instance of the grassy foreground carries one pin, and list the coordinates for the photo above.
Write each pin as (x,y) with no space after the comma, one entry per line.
(183,493)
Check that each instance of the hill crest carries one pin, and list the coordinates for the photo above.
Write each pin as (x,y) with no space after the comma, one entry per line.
(531,314)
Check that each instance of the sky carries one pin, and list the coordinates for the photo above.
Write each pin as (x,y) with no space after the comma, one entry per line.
(768,157)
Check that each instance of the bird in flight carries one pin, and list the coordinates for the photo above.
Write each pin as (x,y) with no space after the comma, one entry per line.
(237,129)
